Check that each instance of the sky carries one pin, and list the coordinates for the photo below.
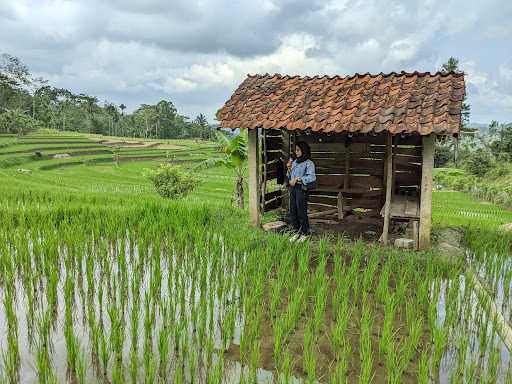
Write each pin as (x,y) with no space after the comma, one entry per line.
(196,52)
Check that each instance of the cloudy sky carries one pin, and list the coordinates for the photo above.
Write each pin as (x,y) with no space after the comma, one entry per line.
(195,52)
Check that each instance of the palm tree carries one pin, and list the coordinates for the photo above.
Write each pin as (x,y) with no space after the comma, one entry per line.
(235,156)
(122,107)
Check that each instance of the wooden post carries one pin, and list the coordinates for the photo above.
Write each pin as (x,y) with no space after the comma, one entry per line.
(427,166)
(254,177)
(263,143)
(340,206)
(389,184)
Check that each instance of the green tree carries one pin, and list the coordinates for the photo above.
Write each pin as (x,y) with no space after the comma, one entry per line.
(479,162)
(15,121)
(467,135)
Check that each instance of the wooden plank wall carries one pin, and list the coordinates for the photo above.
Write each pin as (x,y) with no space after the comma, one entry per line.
(407,159)
(366,167)
(366,159)
(272,152)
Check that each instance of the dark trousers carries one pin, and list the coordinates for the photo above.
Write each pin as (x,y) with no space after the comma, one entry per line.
(299,209)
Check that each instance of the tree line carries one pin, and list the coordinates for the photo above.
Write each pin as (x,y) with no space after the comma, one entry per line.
(28,103)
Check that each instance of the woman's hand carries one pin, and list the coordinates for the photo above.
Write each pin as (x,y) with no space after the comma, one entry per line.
(289,165)
(293,182)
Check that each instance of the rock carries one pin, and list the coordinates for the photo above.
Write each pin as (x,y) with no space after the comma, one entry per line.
(61,156)
(449,243)
(404,243)
(273,226)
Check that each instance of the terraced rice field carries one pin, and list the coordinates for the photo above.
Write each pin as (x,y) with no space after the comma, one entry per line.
(103,281)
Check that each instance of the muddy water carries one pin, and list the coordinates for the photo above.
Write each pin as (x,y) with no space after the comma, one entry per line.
(469,323)
(28,350)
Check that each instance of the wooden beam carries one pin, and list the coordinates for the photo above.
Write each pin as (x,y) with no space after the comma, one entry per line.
(389,185)
(427,167)
(327,212)
(254,177)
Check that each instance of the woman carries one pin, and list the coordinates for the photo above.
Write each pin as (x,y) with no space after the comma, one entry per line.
(301,175)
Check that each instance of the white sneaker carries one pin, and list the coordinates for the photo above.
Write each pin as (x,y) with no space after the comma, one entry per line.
(302,238)
(295,237)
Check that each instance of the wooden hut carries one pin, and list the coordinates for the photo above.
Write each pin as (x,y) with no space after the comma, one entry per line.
(372,139)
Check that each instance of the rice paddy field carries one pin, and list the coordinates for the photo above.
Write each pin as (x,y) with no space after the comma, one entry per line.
(103,281)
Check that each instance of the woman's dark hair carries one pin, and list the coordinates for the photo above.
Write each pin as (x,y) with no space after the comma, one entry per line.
(304,148)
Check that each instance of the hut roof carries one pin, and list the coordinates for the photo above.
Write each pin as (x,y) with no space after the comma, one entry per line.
(396,102)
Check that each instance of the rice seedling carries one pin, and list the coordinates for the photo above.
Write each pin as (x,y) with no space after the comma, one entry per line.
(423,368)
(440,339)
(309,354)
(365,347)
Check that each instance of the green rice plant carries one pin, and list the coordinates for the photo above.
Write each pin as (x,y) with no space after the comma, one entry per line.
(285,369)
(279,341)
(193,364)
(12,357)
(338,336)
(104,351)
(81,367)
(365,347)
(383,284)
(508,375)
(254,360)
(320,302)
(471,371)
(309,354)
(163,350)
(340,373)
(44,368)
(275,298)
(395,363)
(440,339)
(217,373)
(386,335)
(415,328)
(423,368)
(493,365)
(369,271)
(151,373)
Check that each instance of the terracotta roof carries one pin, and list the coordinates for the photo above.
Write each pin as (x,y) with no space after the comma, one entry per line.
(395,102)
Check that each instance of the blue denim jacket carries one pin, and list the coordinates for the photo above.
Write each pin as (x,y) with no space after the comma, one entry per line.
(304,170)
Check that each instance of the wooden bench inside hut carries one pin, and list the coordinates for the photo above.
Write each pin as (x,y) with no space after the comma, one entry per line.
(372,140)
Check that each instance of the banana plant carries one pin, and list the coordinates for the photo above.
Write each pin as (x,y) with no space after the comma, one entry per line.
(235,156)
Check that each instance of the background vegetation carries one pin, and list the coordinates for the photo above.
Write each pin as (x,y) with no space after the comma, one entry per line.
(27,103)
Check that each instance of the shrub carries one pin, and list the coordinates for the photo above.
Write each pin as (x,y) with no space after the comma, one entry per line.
(171,182)
(479,162)
(442,155)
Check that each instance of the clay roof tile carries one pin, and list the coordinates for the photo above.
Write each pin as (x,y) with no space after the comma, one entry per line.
(418,102)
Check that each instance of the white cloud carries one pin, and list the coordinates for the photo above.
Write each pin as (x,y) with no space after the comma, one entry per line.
(196,52)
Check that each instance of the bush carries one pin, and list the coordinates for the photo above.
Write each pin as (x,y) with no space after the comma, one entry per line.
(171,182)
(442,155)
(479,162)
